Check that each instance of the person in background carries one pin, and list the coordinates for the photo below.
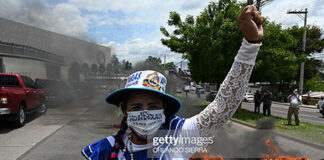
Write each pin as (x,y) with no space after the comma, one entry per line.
(308,99)
(293,107)
(198,92)
(280,96)
(267,101)
(187,89)
(257,102)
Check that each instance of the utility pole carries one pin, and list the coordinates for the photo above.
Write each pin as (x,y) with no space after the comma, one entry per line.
(302,65)
(164,60)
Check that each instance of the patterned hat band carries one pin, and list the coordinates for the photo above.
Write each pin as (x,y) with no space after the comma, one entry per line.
(147,79)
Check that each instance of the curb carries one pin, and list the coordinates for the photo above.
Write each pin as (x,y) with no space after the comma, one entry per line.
(317,146)
(288,105)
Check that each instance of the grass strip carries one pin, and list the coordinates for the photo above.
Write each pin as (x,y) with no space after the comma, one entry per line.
(305,130)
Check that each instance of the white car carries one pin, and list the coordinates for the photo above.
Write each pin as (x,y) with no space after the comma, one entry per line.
(248,97)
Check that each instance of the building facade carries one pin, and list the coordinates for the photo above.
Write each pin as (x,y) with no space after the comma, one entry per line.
(40,53)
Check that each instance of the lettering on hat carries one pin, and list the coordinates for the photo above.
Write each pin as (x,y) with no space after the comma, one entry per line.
(134,77)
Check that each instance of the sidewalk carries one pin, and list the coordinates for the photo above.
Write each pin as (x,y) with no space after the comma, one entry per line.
(298,140)
(194,98)
(303,105)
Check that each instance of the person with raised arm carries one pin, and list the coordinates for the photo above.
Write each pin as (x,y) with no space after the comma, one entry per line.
(150,123)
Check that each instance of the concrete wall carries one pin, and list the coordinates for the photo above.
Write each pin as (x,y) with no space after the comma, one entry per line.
(64,73)
(71,48)
(28,67)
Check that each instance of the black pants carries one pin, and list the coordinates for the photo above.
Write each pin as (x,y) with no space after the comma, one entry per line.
(256,107)
(267,109)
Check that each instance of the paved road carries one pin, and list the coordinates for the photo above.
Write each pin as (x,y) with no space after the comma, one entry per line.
(64,131)
(305,114)
(16,141)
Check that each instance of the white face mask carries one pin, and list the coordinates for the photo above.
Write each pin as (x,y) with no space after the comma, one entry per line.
(145,123)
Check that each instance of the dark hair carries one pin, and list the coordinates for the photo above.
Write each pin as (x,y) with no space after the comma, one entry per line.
(119,137)
(118,140)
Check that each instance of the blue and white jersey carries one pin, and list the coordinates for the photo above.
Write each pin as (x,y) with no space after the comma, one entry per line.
(174,127)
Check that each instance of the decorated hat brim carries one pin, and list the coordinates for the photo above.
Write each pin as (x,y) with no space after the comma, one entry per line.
(173,105)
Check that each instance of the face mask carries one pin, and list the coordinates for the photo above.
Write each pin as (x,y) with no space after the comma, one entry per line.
(145,123)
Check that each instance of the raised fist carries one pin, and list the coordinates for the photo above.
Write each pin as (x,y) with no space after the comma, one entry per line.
(250,22)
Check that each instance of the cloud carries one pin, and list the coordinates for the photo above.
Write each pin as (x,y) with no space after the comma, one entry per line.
(277,11)
(136,50)
(134,6)
(127,6)
(139,11)
(123,22)
(61,18)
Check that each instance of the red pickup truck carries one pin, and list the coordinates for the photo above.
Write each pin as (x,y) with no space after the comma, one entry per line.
(20,95)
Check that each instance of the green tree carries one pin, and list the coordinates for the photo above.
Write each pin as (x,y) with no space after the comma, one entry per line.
(126,65)
(115,64)
(315,84)
(150,63)
(314,44)
(153,60)
(275,62)
(314,39)
(311,69)
(209,42)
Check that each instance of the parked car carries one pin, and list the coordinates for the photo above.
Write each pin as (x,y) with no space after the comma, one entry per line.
(248,97)
(211,96)
(56,91)
(320,106)
(19,95)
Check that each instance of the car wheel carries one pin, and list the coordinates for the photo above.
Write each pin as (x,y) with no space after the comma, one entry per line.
(20,118)
(42,108)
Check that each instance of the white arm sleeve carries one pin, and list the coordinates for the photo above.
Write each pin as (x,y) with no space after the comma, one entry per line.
(228,98)
(229,95)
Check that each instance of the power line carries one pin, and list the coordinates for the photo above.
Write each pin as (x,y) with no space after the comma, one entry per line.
(287,17)
(281,16)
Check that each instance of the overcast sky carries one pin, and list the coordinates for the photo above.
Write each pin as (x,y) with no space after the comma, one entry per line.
(131,27)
